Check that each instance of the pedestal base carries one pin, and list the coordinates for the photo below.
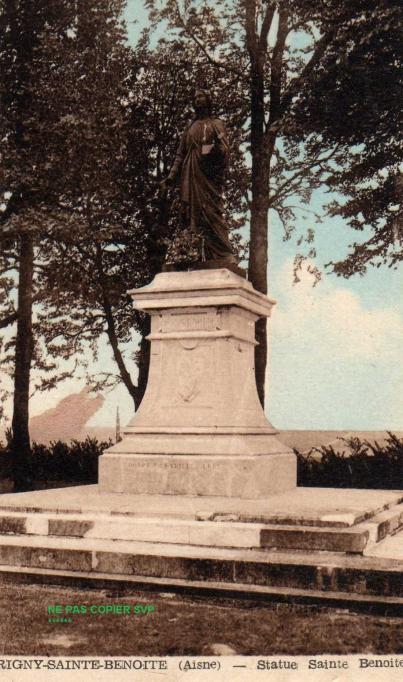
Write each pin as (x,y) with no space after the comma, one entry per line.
(200,429)
(243,477)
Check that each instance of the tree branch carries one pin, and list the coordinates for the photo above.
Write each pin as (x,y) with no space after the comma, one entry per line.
(200,44)
(250,26)
(111,330)
(277,67)
(266,25)
(296,83)
(302,170)
(9,319)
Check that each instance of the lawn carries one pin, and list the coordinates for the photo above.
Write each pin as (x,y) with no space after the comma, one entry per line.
(183,625)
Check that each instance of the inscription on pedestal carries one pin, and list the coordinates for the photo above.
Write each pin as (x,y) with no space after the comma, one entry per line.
(173,465)
(239,476)
(194,321)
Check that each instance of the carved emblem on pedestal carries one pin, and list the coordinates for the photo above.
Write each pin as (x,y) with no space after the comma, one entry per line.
(191,367)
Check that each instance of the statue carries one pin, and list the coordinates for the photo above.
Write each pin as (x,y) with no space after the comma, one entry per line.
(200,164)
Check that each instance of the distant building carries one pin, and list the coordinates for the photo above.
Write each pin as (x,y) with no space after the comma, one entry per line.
(117,435)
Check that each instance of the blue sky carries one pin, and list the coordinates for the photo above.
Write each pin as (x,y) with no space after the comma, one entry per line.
(335,350)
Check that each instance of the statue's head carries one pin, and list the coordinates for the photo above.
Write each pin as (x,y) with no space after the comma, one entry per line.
(202,100)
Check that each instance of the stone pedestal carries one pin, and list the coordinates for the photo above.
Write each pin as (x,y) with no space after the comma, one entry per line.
(200,429)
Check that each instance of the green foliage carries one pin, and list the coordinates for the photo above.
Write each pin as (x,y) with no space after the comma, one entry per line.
(360,465)
(121,227)
(62,67)
(322,82)
(354,98)
(103,127)
(74,462)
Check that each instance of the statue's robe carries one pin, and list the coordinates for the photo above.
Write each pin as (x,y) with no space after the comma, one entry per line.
(201,161)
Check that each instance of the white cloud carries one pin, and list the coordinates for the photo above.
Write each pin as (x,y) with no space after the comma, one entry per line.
(333,320)
(334,362)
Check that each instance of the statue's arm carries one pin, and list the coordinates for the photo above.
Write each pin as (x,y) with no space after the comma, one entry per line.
(221,147)
(179,157)
(222,138)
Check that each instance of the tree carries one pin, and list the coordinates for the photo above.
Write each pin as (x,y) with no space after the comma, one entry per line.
(122,227)
(21,26)
(276,52)
(38,172)
(358,92)
(108,143)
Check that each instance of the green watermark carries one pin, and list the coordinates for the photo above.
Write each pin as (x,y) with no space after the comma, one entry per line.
(61,613)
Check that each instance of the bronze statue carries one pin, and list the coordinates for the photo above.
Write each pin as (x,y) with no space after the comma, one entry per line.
(200,164)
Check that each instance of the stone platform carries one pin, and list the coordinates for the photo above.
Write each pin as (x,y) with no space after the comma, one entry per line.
(332,544)
(200,493)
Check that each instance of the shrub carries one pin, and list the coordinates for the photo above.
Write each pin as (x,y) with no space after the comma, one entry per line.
(75,462)
(364,465)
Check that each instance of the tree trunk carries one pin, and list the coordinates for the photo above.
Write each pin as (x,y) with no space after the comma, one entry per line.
(156,251)
(258,277)
(144,361)
(262,146)
(259,214)
(111,327)
(20,444)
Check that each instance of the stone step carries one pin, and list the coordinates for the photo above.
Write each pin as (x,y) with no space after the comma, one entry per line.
(321,572)
(357,507)
(390,547)
(327,507)
(203,533)
(384,524)
(141,529)
(320,539)
(355,539)
(121,583)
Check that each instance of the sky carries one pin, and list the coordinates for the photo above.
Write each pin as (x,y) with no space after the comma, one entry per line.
(335,349)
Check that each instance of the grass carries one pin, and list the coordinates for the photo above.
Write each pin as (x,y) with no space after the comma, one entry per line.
(185,626)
